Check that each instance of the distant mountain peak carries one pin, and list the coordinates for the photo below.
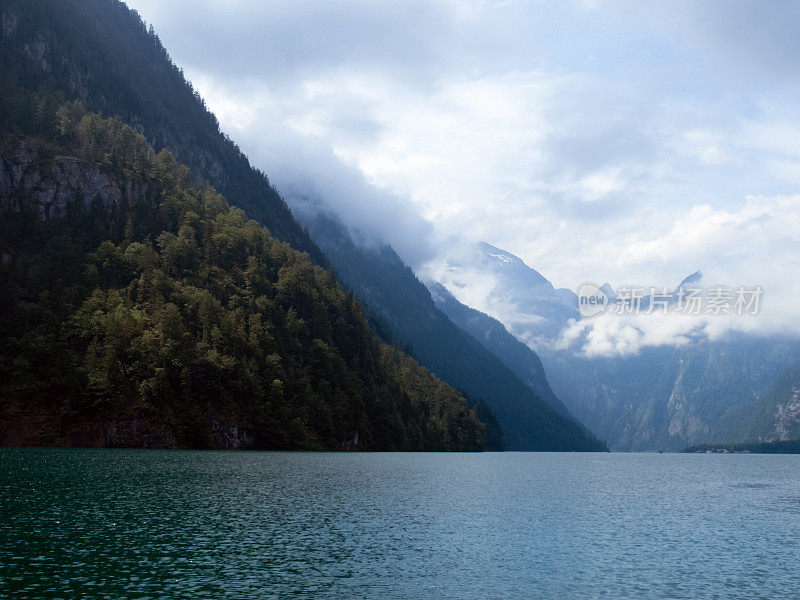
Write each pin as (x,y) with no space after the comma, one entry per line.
(693,278)
(499,254)
(499,259)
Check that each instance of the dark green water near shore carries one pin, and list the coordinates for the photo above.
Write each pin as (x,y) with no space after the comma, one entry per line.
(183,524)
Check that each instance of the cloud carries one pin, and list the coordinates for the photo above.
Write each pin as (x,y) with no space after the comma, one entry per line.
(606,140)
(609,335)
(311,178)
(751,41)
(306,170)
(288,42)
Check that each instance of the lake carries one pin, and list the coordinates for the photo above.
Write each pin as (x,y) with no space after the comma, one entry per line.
(80,523)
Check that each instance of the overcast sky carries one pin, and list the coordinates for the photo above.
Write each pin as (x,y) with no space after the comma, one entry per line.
(629,142)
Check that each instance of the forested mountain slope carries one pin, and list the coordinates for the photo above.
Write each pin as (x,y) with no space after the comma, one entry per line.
(99,52)
(142,310)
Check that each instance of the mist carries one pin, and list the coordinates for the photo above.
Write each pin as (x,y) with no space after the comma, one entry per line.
(598,141)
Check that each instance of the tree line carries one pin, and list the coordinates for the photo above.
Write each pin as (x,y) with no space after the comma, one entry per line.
(164,299)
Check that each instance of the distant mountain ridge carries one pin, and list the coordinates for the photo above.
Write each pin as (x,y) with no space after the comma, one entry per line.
(391,289)
(531,307)
(663,398)
(522,361)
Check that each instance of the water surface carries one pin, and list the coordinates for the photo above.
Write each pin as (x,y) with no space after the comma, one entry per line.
(184,524)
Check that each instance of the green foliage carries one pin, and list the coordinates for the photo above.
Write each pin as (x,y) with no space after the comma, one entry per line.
(58,56)
(171,303)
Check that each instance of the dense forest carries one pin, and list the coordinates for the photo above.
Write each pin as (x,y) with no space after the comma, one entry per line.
(130,290)
(100,53)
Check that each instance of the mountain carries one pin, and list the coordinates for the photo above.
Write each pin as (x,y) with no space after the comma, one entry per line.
(100,53)
(61,56)
(662,398)
(522,361)
(392,291)
(533,310)
(141,310)
(666,398)
(776,417)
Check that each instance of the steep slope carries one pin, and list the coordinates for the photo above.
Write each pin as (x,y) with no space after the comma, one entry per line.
(99,52)
(663,398)
(533,309)
(141,310)
(776,417)
(390,289)
(490,332)
(667,398)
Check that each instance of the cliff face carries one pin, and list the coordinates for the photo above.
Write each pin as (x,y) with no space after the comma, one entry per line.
(44,427)
(52,185)
(776,417)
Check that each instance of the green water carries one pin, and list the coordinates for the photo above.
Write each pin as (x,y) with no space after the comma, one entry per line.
(181,524)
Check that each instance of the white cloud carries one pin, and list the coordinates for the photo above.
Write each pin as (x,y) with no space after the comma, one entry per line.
(605,140)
